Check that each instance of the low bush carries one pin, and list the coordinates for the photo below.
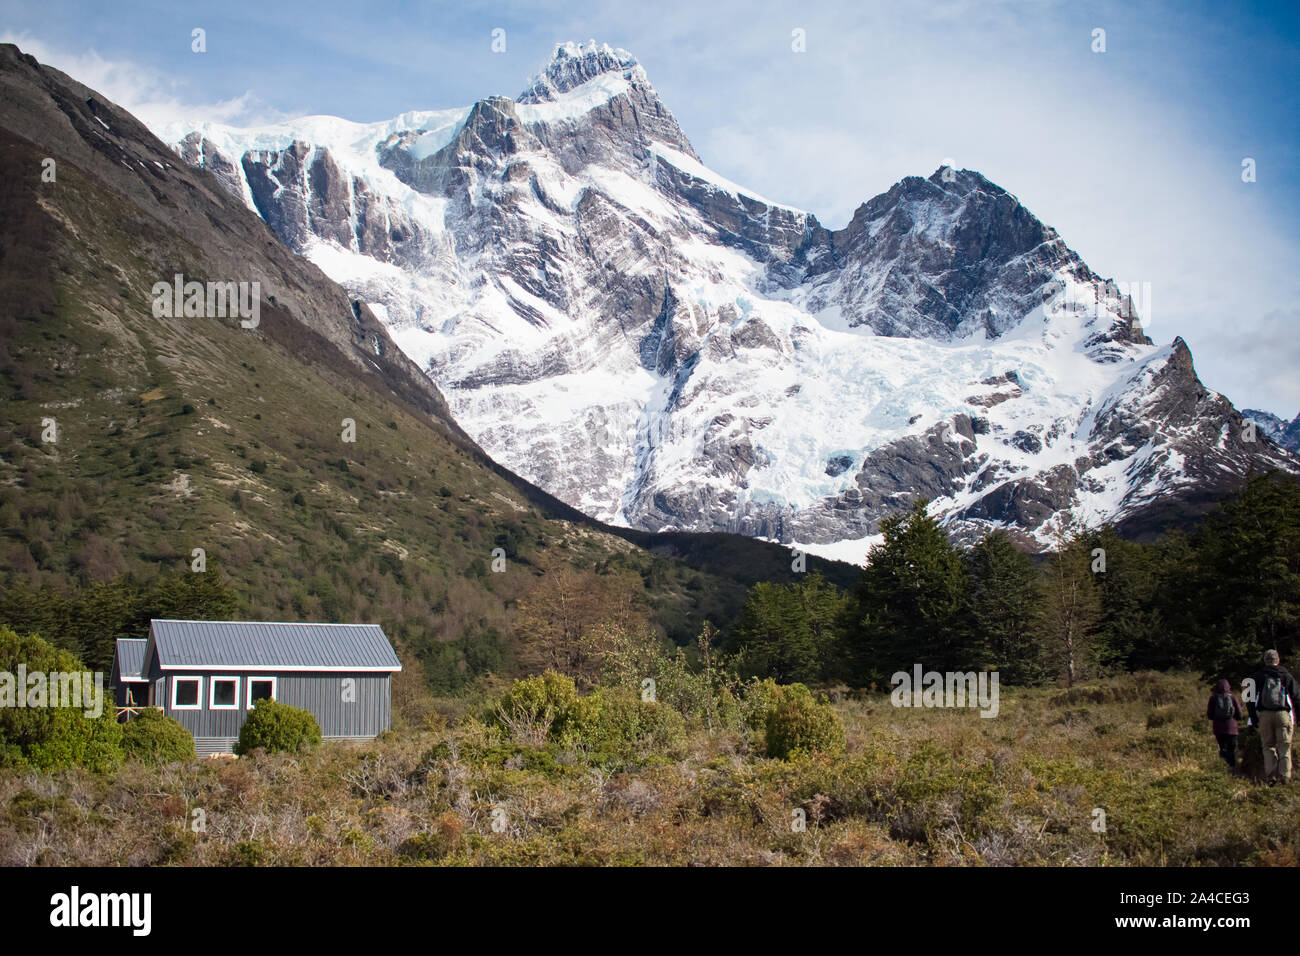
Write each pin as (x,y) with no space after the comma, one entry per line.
(537,709)
(610,722)
(154,738)
(275,726)
(616,721)
(798,724)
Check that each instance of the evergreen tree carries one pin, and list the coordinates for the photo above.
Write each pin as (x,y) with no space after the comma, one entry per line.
(40,611)
(1071,607)
(186,595)
(1248,573)
(790,632)
(1129,628)
(104,613)
(89,622)
(1003,604)
(911,601)
(1180,606)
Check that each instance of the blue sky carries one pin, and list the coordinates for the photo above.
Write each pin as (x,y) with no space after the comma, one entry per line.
(1133,154)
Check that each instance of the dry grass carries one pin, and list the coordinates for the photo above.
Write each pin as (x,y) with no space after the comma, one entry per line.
(917,787)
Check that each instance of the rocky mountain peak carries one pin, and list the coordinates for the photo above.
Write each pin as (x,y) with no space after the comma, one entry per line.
(952,201)
(573,64)
(958,255)
(591,101)
(1285,433)
(492,127)
(963,182)
(1291,435)
(660,346)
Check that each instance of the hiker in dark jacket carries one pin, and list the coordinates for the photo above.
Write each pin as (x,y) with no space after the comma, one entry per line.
(1225,710)
(1272,708)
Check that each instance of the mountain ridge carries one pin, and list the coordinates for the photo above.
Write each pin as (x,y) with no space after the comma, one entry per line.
(1283,432)
(603,311)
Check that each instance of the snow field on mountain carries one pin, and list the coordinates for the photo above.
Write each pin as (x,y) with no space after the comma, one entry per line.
(659,346)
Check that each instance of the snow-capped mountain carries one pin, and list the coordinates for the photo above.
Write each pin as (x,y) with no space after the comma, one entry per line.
(663,348)
(1285,433)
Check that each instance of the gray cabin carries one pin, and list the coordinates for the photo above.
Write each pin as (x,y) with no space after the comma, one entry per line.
(208,675)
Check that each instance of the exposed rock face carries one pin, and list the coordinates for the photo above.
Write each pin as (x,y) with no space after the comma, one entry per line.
(197,151)
(947,257)
(623,123)
(663,348)
(1286,434)
(1291,435)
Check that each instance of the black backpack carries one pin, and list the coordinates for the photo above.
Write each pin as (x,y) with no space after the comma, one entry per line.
(1272,695)
(1224,708)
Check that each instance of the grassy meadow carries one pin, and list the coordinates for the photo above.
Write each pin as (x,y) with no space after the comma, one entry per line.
(450,786)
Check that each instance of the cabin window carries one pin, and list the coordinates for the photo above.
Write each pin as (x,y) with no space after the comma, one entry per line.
(225,693)
(260,688)
(186,692)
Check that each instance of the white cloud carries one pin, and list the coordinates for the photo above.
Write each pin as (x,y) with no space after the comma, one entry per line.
(152,97)
(1260,358)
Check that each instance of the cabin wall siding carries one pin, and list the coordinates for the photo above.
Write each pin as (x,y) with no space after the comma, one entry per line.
(367,715)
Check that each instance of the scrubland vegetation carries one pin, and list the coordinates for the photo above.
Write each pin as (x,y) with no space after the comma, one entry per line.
(620,781)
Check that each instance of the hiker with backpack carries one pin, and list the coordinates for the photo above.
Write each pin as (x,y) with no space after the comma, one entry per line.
(1225,710)
(1272,709)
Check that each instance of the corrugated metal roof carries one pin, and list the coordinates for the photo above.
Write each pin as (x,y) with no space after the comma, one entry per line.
(130,657)
(270,646)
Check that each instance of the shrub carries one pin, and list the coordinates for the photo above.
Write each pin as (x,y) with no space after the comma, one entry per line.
(1162,715)
(612,721)
(729,708)
(536,709)
(616,721)
(48,737)
(250,853)
(443,837)
(1168,743)
(629,656)
(757,697)
(274,726)
(798,724)
(154,738)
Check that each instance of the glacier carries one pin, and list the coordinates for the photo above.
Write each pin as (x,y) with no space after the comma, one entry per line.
(664,349)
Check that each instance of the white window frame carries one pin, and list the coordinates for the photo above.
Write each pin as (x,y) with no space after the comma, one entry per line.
(198,698)
(212,693)
(249,682)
